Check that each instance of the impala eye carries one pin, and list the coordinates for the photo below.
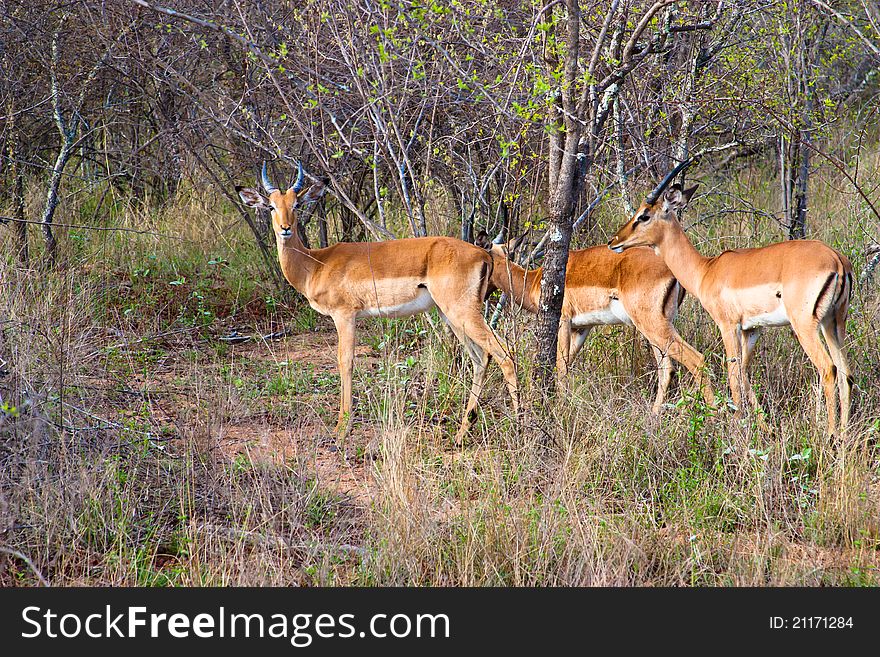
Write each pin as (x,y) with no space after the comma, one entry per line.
(641,218)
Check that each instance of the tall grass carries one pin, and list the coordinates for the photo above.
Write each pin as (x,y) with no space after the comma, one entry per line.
(137,447)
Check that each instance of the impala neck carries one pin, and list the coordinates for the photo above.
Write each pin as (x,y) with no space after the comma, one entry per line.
(297,263)
(684,261)
(520,285)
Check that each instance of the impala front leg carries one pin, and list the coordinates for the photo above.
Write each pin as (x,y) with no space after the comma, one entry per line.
(748,340)
(734,367)
(345,330)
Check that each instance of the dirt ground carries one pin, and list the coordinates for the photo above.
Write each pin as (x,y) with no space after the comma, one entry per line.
(307,443)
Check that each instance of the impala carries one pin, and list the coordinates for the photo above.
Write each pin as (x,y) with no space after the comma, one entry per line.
(605,289)
(397,278)
(801,283)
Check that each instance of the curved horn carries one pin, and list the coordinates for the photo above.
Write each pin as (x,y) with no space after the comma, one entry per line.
(300,178)
(654,195)
(268,186)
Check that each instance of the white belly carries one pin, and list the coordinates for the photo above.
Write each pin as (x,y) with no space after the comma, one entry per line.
(613,313)
(420,303)
(777,317)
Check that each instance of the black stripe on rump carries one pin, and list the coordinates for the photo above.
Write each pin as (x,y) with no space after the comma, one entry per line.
(828,282)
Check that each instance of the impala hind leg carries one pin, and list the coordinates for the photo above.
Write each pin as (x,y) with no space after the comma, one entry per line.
(835,336)
(563,353)
(808,335)
(576,340)
(663,337)
(477,331)
(695,363)
(480,360)
(345,331)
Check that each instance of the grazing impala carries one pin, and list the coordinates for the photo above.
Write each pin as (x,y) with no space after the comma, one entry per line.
(397,278)
(801,283)
(603,289)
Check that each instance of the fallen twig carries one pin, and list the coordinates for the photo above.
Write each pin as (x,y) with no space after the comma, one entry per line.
(26,559)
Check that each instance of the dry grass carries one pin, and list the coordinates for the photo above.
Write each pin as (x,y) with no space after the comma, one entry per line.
(138,448)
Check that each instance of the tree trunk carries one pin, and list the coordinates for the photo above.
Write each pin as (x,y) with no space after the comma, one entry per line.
(797,229)
(349,225)
(322,225)
(467,219)
(172,159)
(561,205)
(553,285)
(622,178)
(52,200)
(785,181)
(19,226)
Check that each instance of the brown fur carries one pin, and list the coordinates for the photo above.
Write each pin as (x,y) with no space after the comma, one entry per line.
(396,278)
(801,283)
(637,279)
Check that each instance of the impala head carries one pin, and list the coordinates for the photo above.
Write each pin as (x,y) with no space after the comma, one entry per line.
(662,205)
(499,245)
(283,204)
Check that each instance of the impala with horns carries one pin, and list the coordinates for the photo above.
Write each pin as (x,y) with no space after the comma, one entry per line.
(397,278)
(801,283)
(605,289)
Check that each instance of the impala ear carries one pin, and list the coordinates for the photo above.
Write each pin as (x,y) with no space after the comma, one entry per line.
(483,240)
(253,198)
(675,199)
(315,192)
(513,245)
